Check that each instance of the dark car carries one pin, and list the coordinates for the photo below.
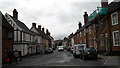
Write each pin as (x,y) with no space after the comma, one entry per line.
(88,53)
(49,50)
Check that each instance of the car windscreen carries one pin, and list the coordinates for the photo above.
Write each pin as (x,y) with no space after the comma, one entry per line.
(90,50)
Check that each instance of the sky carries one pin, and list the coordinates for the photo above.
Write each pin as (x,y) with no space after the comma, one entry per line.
(60,17)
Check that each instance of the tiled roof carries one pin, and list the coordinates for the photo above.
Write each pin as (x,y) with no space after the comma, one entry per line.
(5,23)
(113,6)
(42,34)
(22,26)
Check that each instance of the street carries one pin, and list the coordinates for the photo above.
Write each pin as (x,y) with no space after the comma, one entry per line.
(62,58)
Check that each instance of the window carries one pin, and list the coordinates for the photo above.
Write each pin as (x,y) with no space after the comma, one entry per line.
(85,40)
(10,35)
(80,34)
(102,40)
(84,31)
(90,30)
(116,38)
(114,18)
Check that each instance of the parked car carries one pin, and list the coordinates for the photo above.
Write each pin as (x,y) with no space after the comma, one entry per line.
(60,48)
(89,53)
(77,49)
(49,50)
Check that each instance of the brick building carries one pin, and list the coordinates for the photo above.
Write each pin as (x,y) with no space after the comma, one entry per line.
(103,29)
(7,38)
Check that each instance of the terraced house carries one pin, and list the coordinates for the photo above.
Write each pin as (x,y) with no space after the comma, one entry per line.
(27,41)
(45,40)
(24,39)
(101,29)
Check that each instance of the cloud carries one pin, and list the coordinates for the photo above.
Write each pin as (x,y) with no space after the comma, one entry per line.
(60,17)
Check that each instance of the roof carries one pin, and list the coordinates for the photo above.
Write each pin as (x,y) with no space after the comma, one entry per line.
(22,26)
(42,34)
(5,24)
(113,6)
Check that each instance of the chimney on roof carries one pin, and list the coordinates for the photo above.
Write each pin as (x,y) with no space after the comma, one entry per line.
(80,25)
(34,24)
(15,14)
(39,27)
(43,29)
(104,3)
(47,32)
(85,17)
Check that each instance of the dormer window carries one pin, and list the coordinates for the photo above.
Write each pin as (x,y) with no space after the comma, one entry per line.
(114,18)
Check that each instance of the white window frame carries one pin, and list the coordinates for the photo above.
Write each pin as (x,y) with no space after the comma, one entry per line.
(80,34)
(89,29)
(112,18)
(114,38)
(102,40)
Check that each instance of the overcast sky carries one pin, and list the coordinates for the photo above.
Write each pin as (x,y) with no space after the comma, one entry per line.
(60,17)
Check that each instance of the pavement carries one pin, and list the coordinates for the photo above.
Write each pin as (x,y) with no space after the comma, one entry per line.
(110,60)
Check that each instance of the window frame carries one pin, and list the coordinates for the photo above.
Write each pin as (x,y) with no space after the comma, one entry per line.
(112,18)
(114,38)
(80,34)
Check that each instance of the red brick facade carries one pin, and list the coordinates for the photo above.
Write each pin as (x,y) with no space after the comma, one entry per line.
(7,38)
(98,32)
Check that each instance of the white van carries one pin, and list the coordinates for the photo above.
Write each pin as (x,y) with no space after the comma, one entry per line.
(77,49)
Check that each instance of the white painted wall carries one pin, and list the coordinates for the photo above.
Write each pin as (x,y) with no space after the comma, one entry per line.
(27,37)
(72,39)
(19,36)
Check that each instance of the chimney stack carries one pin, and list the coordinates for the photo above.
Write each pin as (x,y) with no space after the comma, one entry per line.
(43,29)
(104,3)
(15,14)
(47,32)
(85,17)
(80,25)
(34,24)
(39,27)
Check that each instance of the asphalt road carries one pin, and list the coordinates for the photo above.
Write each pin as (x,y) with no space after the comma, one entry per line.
(63,58)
